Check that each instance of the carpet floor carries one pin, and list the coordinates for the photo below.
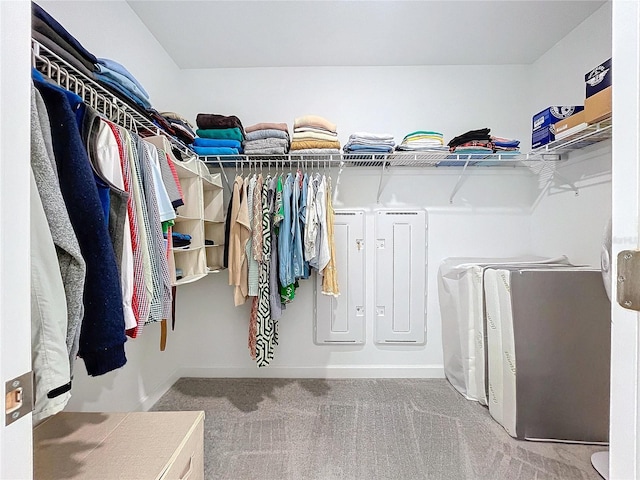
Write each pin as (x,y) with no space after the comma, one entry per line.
(361,429)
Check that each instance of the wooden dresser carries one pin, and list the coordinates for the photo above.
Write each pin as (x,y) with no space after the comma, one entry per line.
(139,445)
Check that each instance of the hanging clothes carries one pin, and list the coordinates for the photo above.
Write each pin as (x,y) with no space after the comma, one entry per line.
(71,264)
(267,327)
(312,223)
(322,243)
(140,300)
(297,257)
(285,244)
(275,202)
(240,231)
(302,218)
(143,264)
(252,281)
(330,273)
(104,155)
(102,335)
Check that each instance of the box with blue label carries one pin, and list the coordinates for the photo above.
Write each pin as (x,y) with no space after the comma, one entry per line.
(598,79)
(542,131)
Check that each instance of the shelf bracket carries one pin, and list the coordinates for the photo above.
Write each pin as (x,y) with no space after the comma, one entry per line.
(459,182)
(382,183)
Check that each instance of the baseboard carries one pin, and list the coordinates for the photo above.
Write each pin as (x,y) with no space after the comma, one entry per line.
(150,400)
(347,371)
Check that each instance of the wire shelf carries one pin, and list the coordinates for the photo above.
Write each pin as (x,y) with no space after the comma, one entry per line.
(592,134)
(416,160)
(99,98)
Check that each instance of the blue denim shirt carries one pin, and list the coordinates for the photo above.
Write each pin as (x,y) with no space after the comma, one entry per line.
(296,230)
(285,236)
(302,216)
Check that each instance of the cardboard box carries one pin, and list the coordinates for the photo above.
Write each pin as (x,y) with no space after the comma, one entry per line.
(543,121)
(567,123)
(598,107)
(598,79)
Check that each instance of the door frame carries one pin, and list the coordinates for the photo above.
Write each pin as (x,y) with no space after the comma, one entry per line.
(16,450)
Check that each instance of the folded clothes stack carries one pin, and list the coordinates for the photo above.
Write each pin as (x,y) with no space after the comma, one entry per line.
(182,128)
(423,141)
(116,77)
(505,145)
(365,142)
(314,134)
(180,240)
(218,135)
(267,139)
(473,142)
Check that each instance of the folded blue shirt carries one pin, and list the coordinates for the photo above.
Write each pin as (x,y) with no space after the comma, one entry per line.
(214,151)
(369,148)
(143,102)
(215,142)
(122,80)
(118,68)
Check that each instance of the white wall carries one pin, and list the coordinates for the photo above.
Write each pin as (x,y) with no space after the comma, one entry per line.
(397,100)
(215,332)
(564,222)
(111,29)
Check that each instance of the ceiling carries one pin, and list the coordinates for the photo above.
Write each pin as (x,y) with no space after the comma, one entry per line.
(267,33)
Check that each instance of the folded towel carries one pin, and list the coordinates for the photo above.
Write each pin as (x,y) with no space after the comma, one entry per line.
(267,126)
(307,144)
(314,121)
(214,120)
(215,151)
(214,142)
(314,136)
(266,133)
(221,133)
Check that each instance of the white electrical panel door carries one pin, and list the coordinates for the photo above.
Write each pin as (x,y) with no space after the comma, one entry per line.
(341,320)
(401,286)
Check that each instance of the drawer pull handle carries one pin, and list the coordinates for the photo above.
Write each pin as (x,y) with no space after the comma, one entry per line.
(187,474)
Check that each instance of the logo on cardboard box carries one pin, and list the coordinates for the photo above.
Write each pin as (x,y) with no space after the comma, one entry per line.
(563,111)
(596,76)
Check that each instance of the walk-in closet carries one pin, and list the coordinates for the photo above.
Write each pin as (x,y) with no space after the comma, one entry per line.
(320,239)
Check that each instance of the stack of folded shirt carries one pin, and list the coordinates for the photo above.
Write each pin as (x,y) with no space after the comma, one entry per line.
(505,145)
(267,139)
(423,141)
(472,142)
(314,134)
(365,142)
(116,77)
(218,135)
(46,30)
(180,126)
(180,240)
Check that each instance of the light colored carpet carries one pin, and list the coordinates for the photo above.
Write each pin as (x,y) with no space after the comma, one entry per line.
(361,429)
